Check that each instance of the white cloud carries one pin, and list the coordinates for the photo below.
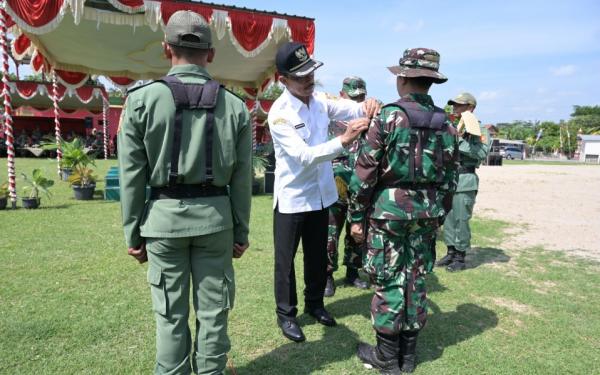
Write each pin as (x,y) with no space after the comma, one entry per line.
(488,95)
(564,70)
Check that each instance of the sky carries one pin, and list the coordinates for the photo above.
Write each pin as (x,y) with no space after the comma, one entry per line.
(523,60)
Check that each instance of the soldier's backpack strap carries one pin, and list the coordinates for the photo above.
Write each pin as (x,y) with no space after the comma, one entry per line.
(192,96)
(422,123)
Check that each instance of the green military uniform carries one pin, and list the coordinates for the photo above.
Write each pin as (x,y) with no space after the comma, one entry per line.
(186,238)
(473,151)
(343,166)
(404,176)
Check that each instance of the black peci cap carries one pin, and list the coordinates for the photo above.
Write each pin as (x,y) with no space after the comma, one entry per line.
(292,59)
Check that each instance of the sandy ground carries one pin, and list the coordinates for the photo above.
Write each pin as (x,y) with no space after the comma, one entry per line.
(554,206)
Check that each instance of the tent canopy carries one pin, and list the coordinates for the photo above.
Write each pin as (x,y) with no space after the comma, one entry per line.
(38,95)
(121,39)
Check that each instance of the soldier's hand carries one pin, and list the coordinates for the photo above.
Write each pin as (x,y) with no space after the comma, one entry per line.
(356,231)
(371,107)
(239,249)
(353,130)
(139,253)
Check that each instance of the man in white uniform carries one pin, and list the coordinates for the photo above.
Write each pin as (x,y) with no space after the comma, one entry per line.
(304,185)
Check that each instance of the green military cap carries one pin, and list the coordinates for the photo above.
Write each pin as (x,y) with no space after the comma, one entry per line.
(188,29)
(354,86)
(419,62)
(463,98)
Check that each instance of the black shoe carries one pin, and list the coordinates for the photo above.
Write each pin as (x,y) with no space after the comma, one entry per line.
(322,316)
(458,263)
(448,258)
(383,357)
(408,351)
(329,287)
(291,330)
(352,279)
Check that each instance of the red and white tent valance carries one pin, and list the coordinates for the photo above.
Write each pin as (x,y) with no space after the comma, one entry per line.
(84,37)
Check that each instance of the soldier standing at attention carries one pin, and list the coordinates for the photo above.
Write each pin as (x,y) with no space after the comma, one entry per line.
(353,88)
(473,150)
(190,140)
(402,185)
(304,187)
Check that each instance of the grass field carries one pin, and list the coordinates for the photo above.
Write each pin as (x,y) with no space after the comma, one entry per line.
(73,302)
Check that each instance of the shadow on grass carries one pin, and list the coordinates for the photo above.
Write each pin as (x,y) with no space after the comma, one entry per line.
(445,329)
(483,255)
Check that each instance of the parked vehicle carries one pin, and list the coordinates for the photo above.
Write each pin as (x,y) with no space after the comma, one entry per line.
(511,153)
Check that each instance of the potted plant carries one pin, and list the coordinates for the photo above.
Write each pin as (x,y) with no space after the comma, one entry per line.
(38,183)
(83,182)
(3,195)
(73,154)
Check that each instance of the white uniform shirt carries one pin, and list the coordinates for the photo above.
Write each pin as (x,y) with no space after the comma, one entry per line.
(303,172)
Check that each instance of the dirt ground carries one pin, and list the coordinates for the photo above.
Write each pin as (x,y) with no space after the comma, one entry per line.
(554,206)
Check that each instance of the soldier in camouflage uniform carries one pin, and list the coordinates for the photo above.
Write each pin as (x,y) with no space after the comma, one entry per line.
(473,150)
(402,186)
(353,88)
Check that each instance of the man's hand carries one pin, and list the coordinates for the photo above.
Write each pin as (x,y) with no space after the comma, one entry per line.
(239,249)
(139,253)
(353,130)
(356,231)
(371,107)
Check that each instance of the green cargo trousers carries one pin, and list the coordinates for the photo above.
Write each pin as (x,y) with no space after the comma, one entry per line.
(457,231)
(208,260)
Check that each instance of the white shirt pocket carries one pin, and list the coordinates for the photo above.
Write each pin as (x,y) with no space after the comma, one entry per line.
(302,131)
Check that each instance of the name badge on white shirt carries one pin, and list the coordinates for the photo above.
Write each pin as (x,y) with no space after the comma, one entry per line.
(302,131)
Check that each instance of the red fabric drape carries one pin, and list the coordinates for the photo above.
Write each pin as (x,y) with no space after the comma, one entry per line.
(85,93)
(251,91)
(266,105)
(26,89)
(250,104)
(21,44)
(38,62)
(36,13)
(168,8)
(123,81)
(303,31)
(132,3)
(250,29)
(72,78)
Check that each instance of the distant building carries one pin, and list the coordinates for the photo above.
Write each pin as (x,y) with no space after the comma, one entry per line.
(588,148)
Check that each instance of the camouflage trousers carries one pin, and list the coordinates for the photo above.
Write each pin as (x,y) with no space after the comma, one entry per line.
(457,231)
(399,254)
(352,250)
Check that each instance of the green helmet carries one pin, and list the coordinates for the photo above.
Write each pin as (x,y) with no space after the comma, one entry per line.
(354,86)
(463,98)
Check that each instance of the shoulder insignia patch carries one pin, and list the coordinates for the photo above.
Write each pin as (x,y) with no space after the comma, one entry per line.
(280,121)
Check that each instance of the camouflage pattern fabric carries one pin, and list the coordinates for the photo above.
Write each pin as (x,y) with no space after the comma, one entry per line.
(343,167)
(381,181)
(399,254)
(352,250)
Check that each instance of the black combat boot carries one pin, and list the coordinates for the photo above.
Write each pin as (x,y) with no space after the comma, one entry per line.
(447,259)
(384,356)
(352,279)
(458,264)
(329,286)
(408,351)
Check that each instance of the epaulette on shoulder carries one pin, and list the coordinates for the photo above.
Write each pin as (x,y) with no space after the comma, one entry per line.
(233,93)
(129,91)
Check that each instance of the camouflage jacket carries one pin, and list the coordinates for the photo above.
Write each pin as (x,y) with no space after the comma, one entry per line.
(382,186)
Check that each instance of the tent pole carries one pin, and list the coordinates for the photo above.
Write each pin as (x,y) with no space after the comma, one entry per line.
(56,121)
(8,121)
(105,127)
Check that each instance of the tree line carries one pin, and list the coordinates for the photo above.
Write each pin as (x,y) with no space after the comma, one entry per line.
(549,136)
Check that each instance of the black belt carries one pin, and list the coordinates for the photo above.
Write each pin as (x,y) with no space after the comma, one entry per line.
(187,191)
(413,186)
(462,170)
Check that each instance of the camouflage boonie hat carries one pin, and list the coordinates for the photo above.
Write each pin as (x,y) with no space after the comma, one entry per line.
(463,98)
(354,86)
(184,24)
(419,62)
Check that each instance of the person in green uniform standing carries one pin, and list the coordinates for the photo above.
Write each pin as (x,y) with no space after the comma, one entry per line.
(189,139)
(401,188)
(473,149)
(353,88)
